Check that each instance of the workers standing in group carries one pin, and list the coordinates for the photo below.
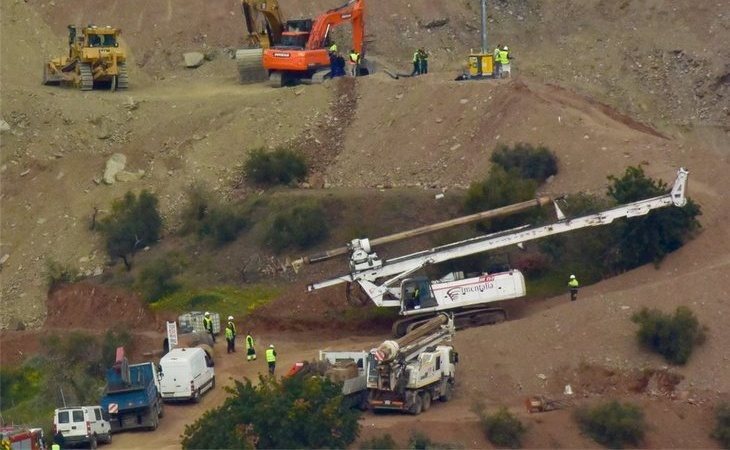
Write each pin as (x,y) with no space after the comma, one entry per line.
(504,59)
(353,62)
(420,62)
(208,325)
(423,61)
(231,335)
(495,60)
(573,286)
(271,358)
(250,350)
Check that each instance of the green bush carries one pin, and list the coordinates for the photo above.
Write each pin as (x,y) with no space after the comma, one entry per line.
(58,274)
(209,218)
(672,336)
(613,424)
(18,385)
(303,226)
(281,166)
(384,442)
(535,163)
(133,224)
(503,428)
(649,238)
(294,412)
(722,427)
(500,188)
(157,279)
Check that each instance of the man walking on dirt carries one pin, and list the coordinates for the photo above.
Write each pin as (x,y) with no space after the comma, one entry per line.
(353,62)
(573,286)
(208,325)
(271,358)
(250,350)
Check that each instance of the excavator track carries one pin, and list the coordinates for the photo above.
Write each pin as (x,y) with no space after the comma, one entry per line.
(276,80)
(465,318)
(87,77)
(250,65)
(122,78)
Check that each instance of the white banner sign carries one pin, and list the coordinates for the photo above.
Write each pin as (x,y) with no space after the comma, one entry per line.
(172,334)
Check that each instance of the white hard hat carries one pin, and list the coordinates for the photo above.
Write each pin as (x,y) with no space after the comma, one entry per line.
(230,317)
(207,313)
(271,345)
(572,277)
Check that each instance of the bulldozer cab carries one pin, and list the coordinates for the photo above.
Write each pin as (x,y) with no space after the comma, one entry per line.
(416,293)
(101,36)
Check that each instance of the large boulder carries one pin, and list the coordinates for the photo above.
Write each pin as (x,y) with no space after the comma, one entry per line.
(194,59)
(114,165)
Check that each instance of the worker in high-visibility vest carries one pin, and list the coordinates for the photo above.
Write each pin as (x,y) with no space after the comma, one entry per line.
(504,59)
(333,48)
(231,335)
(271,358)
(416,63)
(573,286)
(250,350)
(353,62)
(208,325)
(495,60)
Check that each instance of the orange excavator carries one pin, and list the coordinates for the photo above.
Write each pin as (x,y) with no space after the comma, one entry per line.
(302,54)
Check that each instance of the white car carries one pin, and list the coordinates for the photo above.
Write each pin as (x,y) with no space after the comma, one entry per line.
(82,425)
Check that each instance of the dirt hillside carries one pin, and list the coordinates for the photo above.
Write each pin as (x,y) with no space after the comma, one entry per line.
(604,84)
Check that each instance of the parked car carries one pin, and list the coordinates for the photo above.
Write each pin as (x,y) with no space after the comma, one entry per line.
(82,425)
(186,373)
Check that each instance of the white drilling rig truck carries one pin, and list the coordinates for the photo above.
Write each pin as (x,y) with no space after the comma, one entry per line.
(390,282)
(409,373)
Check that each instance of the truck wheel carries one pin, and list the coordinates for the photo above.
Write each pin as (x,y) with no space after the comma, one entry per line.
(446,392)
(92,442)
(426,401)
(160,409)
(417,406)
(196,396)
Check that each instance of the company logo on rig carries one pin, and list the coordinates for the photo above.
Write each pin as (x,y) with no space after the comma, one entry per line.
(281,55)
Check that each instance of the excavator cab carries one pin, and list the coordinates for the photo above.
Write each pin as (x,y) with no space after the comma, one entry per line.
(293,40)
(416,293)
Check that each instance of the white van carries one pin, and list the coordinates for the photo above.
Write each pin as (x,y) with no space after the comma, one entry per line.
(82,425)
(186,374)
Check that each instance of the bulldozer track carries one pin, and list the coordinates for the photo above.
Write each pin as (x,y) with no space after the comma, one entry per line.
(123,78)
(87,77)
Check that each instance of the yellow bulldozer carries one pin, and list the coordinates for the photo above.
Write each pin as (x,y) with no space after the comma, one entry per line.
(94,59)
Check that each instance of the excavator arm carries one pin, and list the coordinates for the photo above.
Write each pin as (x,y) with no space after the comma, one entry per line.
(264,22)
(352,12)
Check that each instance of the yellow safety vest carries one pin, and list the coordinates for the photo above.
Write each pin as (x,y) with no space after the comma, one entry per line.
(573,283)
(232,326)
(229,333)
(503,57)
(270,355)
(208,323)
(333,48)
(249,341)
(355,57)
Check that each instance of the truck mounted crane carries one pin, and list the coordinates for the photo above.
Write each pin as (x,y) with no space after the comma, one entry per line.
(408,373)
(388,282)
(301,55)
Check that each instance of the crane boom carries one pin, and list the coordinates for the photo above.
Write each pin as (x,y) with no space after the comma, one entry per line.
(370,270)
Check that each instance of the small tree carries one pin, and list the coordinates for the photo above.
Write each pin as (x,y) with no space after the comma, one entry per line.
(649,238)
(722,427)
(613,424)
(157,279)
(281,166)
(503,428)
(303,226)
(500,188)
(133,224)
(295,412)
(535,163)
(209,218)
(673,337)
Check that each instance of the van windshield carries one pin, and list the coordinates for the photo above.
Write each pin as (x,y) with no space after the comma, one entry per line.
(78,416)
